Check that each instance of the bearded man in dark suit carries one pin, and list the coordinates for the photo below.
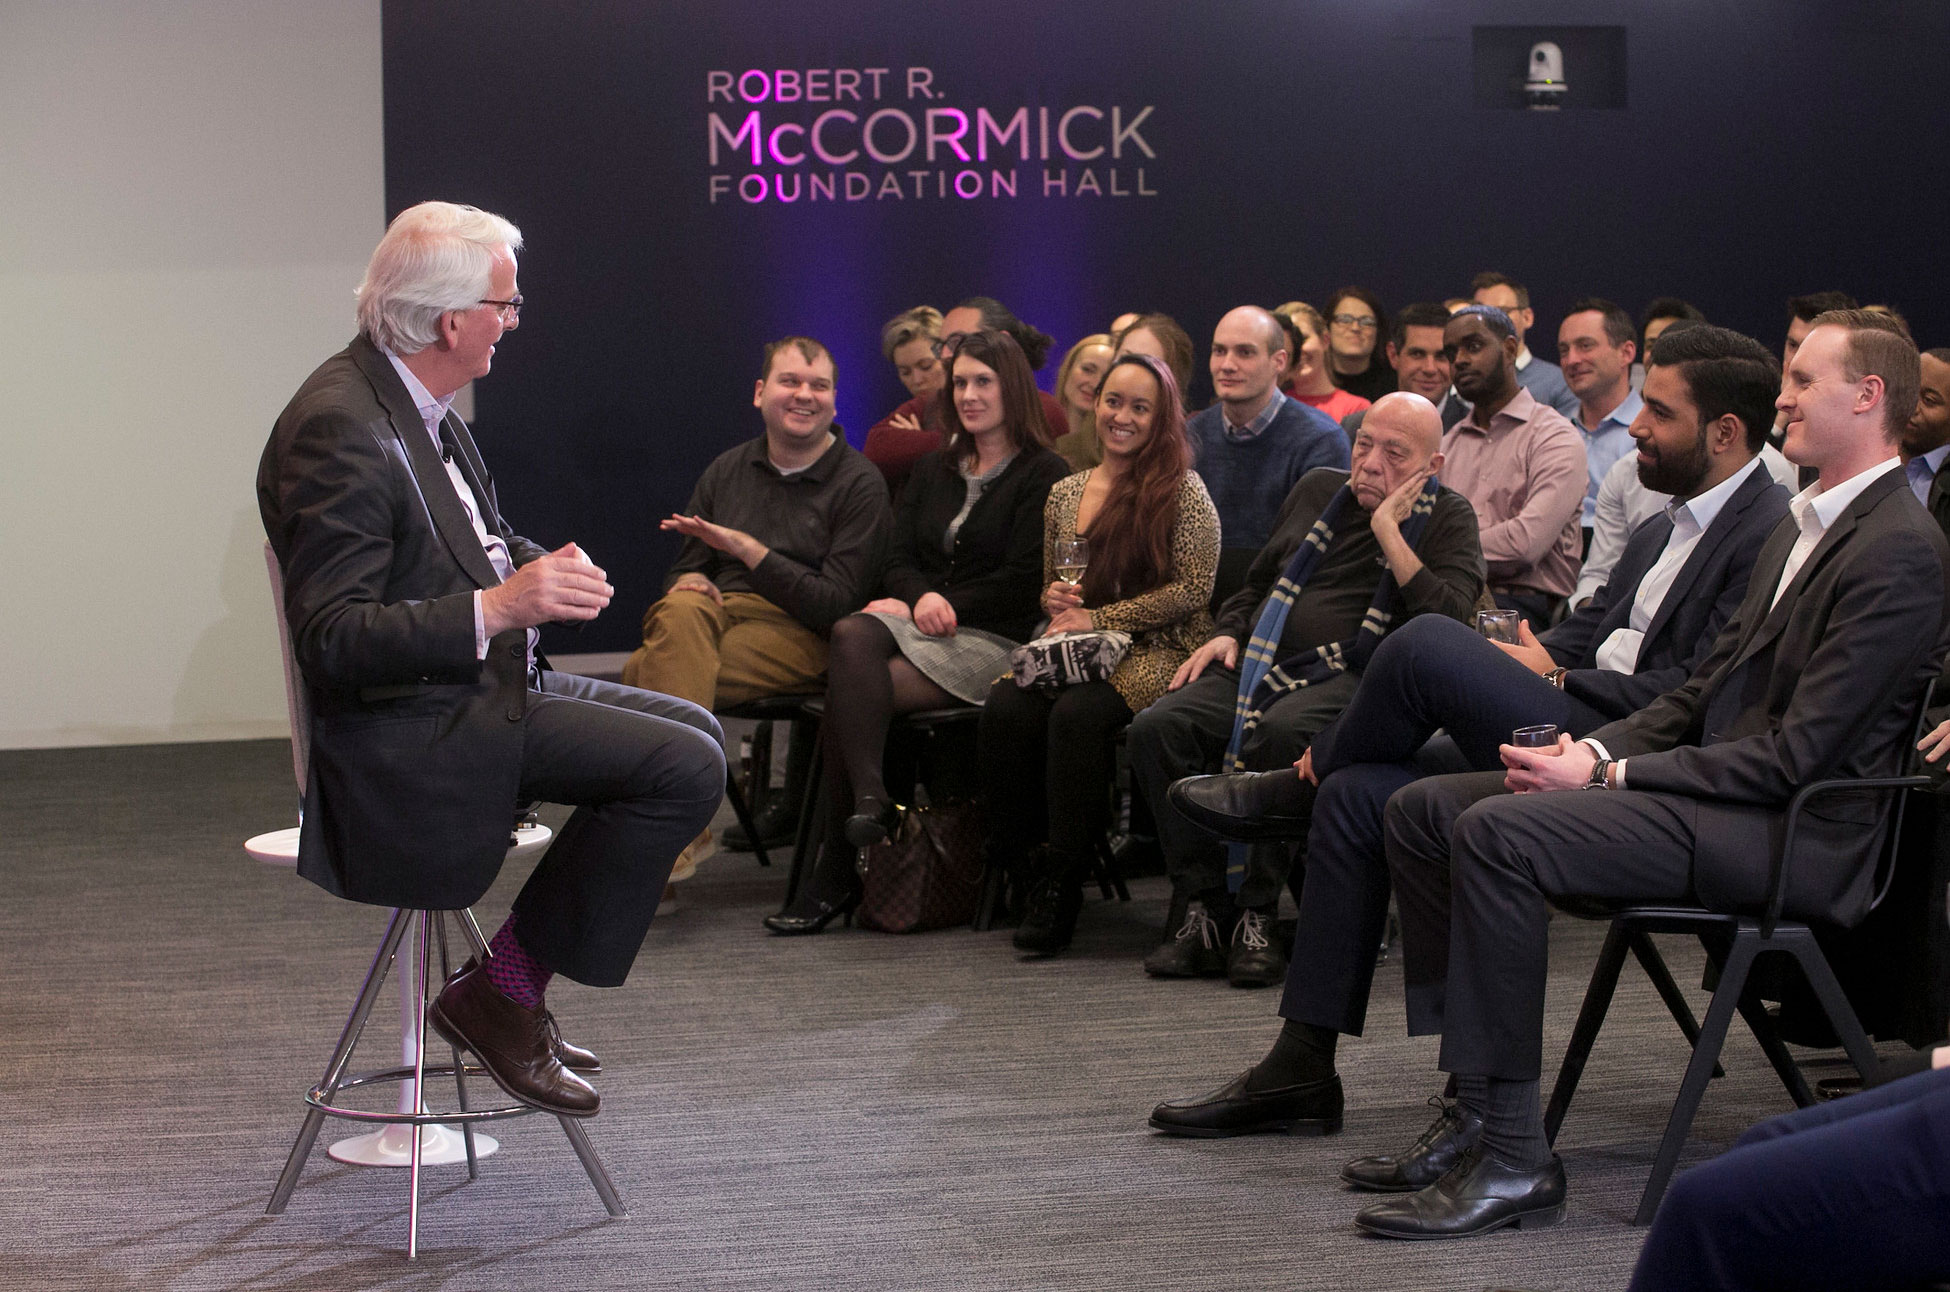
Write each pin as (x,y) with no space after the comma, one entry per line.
(412,609)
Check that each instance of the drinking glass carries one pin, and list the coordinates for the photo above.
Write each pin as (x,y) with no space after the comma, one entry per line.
(1541,736)
(1498,625)
(1072,559)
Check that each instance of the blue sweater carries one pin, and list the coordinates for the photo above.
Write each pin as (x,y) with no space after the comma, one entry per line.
(1248,481)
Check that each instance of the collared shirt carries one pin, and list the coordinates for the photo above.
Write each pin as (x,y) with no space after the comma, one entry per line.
(1254,429)
(1922,471)
(1524,357)
(1691,518)
(433,412)
(1525,476)
(1604,444)
(1814,509)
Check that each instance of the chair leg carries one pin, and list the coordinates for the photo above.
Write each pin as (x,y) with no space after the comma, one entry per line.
(1777,1053)
(598,1174)
(993,883)
(1654,965)
(355,1024)
(1706,1052)
(460,1067)
(1100,865)
(811,822)
(734,792)
(1591,1017)
(419,1083)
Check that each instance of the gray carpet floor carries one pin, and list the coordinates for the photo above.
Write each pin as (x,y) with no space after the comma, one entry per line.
(853,1110)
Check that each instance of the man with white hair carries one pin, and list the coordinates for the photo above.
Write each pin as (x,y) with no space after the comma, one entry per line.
(413,607)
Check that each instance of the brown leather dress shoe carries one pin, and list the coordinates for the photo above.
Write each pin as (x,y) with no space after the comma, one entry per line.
(512,1043)
(571,1056)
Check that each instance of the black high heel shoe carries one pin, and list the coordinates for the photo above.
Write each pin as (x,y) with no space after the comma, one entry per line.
(873,821)
(814,916)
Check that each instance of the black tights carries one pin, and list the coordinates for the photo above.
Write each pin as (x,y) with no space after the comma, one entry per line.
(1047,764)
(868,682)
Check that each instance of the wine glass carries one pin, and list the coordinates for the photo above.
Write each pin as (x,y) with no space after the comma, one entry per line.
(1498,625)
(1072,559)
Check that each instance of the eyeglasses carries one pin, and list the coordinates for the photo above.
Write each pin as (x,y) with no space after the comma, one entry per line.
(943,345)
(510,310)
(1361,322)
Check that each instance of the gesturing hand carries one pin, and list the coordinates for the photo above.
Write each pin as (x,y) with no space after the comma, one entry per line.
(735,543)
(1224,649)
(564,585)
(934,616)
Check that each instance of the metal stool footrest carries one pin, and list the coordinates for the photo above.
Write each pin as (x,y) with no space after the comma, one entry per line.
(321,1098)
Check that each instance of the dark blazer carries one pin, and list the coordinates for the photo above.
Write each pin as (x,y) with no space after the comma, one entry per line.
(994,576)
(1825,683)
(415,743)
(1703,596)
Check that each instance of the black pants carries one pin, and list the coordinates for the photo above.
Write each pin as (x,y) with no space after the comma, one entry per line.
(1480,866)
(645,772)
(1185,734)
(1047,762)
(1850,1193)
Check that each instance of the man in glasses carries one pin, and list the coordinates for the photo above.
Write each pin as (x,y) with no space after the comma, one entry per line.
(412,609)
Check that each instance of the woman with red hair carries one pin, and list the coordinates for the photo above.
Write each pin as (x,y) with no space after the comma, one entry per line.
(1047,757)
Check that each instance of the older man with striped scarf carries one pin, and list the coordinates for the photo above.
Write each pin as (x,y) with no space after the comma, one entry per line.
(1353,555)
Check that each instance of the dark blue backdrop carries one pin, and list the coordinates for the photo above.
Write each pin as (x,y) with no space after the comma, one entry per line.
(1768,147)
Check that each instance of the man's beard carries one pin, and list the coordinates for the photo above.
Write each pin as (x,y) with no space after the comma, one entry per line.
(1677,475)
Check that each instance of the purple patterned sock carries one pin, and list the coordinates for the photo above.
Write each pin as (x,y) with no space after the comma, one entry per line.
(516,974)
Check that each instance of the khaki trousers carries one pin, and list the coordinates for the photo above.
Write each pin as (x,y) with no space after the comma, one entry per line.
(718,656)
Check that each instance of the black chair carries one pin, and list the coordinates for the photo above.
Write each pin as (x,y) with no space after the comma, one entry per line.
(765,709)
(925,728)
(1732,943)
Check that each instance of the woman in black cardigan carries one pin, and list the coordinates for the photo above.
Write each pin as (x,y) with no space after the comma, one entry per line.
(962,585)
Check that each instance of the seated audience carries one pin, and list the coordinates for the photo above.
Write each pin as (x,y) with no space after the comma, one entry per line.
(1309,377)
(1709,400)
(1420,364)
(1353,554)
(1159,336)
(1925,442)
(1661,314)
(897,441)
(908,340)
(1076,388)
(1356,323)
(962,580)
(1540,377)
(783,535)
(1520,464)
(1046,757)
(1254,444)
(1802,313)
(1818,674)
(1596,345)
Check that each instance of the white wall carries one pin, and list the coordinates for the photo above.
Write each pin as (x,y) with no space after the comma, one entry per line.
(188,193)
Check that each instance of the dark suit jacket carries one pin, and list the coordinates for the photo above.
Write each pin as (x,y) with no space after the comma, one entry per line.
(1825,683)
(994,576)
(1703,596)
(415,743)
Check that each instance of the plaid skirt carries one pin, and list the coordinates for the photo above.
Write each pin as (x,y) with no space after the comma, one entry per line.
(964,666)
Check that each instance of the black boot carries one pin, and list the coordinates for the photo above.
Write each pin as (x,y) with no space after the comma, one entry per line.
(1050,918)
(777,815)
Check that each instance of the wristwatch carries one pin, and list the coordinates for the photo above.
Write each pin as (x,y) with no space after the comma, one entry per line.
(1556,677)
(1600,770)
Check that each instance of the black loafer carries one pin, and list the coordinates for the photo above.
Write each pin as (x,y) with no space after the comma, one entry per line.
(1310,1108)
(1478,1195)
(1247,806)
(1453,1133)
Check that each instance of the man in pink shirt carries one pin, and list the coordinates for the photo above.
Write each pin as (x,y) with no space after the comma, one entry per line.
(1521,465)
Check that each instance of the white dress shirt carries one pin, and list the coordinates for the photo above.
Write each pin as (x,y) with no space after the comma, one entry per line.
(1814,509)
(1690,520)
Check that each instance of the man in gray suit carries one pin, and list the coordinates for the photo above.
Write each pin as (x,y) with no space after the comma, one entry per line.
(413,608)
(1844,625)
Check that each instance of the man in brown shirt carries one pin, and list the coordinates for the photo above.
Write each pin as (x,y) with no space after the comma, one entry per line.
(1521,465)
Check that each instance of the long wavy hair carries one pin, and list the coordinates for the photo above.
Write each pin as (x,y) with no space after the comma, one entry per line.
(1130,538)
(1022,403)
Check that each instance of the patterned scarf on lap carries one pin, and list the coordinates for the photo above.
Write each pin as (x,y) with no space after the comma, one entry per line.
(1262,681)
